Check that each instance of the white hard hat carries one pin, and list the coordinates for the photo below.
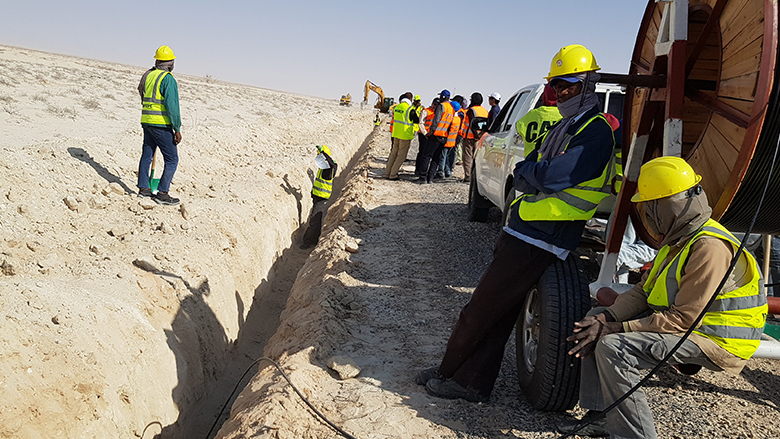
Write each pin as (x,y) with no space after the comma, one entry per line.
(495,96)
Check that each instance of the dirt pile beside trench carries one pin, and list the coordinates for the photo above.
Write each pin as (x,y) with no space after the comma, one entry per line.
(382,291)
(117,313)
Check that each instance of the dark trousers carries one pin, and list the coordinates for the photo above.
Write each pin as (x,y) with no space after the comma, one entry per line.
(158,137)
(476,346)
(438,153)
(418,161)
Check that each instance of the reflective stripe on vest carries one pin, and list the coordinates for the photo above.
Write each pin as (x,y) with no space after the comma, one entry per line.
(402,125)
(735,321)
(447,113)
(575,203)
(322,187)
(429,112)
(479,111)
(154,111)
(452,136)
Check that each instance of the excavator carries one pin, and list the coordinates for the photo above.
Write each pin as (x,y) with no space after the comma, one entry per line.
(382,103)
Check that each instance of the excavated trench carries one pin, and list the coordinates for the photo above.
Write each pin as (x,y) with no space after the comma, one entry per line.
(261,322)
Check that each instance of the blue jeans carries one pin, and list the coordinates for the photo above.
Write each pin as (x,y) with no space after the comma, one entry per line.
(158,137)
(447,161)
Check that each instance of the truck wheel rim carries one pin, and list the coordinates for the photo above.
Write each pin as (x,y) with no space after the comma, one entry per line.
(531,324)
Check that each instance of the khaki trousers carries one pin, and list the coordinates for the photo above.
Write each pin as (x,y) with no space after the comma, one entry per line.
(397,156)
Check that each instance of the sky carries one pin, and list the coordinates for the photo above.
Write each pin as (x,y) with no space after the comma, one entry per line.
(328,49)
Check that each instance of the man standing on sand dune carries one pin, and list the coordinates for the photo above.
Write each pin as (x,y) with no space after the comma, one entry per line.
(161,122)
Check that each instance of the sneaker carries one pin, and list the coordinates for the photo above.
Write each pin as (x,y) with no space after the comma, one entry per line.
(420,180)
(144,192)
(165,199)
(426,375)
(597,428)
(449,389)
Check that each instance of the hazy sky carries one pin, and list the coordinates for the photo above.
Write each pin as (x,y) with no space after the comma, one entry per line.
(331,48)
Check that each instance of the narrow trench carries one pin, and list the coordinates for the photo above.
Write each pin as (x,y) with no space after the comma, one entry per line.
(261,323)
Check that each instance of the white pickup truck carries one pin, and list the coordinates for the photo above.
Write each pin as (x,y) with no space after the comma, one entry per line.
(501,147)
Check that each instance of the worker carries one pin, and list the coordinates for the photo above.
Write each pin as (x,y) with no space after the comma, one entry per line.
(495,108)
(161,123)
(377,122)
(426,119)
(437,137)
(469,137)
(645,323)
(447,160)
(321,190)
(570,171)
(532,127)
(403,132)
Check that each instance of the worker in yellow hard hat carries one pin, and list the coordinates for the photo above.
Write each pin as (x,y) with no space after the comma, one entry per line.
(643,324)
(560,185)
(161,123)
(321,191)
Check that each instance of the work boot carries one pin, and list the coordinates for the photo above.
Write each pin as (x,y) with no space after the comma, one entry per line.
(165,199)
(596,429)
(449,389)
(144,192)
(426,375)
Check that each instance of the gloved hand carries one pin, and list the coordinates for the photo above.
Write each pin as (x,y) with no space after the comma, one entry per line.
(590,330)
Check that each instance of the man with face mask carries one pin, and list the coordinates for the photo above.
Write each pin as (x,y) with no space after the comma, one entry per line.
(561,183)
(645,323)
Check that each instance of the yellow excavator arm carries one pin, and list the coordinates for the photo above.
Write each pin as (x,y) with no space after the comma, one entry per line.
(370,86)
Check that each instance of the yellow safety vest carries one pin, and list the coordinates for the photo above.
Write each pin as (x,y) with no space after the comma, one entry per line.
(154,111)
(402,125)
(736,319)
(322,187)
(573,204)
(534,125)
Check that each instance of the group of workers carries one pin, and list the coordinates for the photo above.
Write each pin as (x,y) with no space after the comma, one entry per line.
(442,129)
(560,182)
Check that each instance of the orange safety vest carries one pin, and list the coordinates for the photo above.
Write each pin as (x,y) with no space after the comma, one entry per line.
(428,118)
(452,136)
(447,113)
(479,111)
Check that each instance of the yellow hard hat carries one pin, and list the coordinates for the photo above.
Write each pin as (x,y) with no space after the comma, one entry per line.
(324,148)
(571,60)
(664,176)
(416,97)
(164,53)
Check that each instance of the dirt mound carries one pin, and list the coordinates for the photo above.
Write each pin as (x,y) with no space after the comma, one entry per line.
(118,312)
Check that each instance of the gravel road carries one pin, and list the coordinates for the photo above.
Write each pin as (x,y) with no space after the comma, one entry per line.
(418,262)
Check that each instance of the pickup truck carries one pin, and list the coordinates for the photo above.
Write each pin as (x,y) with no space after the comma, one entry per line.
(501,147)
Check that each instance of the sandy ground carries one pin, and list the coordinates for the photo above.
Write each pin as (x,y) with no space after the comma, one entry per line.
(124,319)
(387,308)
(117,314)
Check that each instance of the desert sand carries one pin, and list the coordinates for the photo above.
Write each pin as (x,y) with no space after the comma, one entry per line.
(121,318)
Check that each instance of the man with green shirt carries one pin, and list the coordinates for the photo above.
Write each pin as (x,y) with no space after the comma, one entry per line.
(161,122)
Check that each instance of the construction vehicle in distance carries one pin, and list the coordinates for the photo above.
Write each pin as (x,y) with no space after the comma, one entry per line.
(346,99)
(382,103)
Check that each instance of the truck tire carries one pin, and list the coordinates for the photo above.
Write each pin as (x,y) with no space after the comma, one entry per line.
(510,197)
(549,377)
(479,206)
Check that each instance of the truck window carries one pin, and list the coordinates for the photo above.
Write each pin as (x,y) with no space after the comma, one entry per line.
(615,104)
(519,104)
(497,123)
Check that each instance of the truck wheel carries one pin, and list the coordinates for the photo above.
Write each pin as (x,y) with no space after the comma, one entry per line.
(510,197)
(478,206)
(549,377)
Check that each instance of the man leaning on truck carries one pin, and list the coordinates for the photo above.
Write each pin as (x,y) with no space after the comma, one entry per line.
(562,182)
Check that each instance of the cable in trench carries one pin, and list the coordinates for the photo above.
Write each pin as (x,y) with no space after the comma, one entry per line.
(696,322)
(317,412)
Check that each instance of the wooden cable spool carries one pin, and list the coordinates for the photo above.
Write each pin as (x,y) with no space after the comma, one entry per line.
(731,108)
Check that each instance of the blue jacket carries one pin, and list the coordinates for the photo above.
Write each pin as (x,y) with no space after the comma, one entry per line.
(588,154)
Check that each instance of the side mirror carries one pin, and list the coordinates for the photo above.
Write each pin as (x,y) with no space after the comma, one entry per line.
(479,126)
